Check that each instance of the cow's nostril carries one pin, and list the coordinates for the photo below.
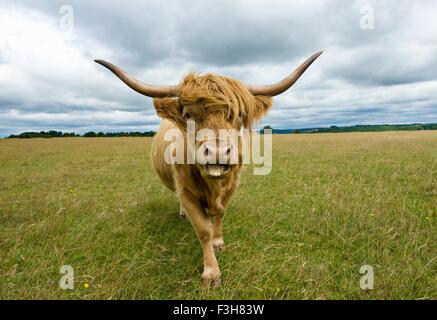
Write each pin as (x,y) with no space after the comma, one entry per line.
(206,152)
(228,151)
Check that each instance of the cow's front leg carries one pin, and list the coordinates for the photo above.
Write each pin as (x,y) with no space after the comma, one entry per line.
(203,227)
(217,240)
(182,212)
(218,210)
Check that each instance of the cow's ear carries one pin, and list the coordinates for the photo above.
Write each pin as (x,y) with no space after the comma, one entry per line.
(170,109)
(262,106)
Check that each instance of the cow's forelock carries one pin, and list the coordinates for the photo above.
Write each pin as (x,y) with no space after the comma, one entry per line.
(219,99)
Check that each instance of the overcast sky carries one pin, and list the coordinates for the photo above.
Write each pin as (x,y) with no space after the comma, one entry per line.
(48,79)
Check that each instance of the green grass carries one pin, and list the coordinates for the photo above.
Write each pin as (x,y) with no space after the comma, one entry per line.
(332,203)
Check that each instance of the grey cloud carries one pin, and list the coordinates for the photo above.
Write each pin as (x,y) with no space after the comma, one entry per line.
(363,75)
(146,33)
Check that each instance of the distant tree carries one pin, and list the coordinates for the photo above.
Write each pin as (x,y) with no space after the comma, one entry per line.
(264,128)
(90,134)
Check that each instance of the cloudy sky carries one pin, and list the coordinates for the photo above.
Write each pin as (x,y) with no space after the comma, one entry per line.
(373,71)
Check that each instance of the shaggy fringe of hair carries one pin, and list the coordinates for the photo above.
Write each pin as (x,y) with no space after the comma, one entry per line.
(221,94)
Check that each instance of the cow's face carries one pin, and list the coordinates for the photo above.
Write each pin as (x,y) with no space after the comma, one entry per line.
(214,109)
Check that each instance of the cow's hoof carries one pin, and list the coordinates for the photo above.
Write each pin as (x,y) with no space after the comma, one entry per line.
(211,283)
(211,279)
(219,244)
(182,213)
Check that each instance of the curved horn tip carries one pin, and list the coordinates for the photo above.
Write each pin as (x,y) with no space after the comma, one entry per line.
(319,53)
(316,55)
(285,84)
(101,62)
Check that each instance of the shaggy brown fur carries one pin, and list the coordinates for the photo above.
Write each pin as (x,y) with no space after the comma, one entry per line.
(214,94)
(213,102)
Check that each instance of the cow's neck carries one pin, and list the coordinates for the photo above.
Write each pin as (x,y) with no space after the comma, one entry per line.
(214,190)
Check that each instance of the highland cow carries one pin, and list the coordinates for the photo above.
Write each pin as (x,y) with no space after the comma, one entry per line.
(214,102)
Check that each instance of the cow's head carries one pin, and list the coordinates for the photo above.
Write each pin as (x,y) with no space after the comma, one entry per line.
(212,102)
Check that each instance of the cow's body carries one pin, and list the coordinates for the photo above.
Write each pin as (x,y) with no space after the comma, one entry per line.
(203,200)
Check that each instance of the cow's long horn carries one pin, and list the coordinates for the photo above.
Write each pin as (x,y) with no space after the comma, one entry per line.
(140,87)
(283,85)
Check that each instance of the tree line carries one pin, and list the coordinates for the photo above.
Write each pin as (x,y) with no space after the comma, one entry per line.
(60,134)
(357,128)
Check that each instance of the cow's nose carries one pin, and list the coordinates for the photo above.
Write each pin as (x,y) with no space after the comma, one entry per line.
(215,152)
(225,154)
(209,152)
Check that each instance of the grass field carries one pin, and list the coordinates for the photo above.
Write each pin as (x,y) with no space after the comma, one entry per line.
(332,203)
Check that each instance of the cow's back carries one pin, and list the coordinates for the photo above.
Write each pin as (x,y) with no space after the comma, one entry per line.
(159,145)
